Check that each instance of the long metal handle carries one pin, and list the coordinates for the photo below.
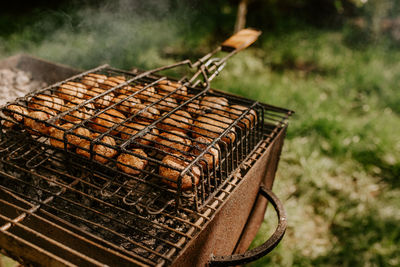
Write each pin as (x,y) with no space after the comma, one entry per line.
(208,67)
(264,249)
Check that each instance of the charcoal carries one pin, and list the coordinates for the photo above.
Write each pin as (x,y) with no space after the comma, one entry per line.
(16,83)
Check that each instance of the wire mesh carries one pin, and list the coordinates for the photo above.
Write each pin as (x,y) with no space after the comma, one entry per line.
(183,141)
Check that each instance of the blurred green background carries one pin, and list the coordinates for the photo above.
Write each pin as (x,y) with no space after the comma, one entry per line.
(335,62)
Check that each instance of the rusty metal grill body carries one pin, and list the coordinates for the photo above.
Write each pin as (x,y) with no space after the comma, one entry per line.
(70,210)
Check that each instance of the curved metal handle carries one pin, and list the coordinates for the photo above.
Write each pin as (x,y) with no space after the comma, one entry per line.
(264,249)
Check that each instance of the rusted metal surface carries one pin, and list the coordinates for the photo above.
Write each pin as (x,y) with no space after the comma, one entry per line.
(260,205)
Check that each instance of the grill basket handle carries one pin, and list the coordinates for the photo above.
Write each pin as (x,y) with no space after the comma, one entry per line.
(240,40)
(264,249)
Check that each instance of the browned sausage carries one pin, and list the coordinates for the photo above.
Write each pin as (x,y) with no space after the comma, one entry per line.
(177,162)
(178,121)
(166,104)
(71,90)
(106,120)
(125,105)
(135,163)
(93,80)
(57,136)
(211,156)
(166,86)
(213,125)
(11,113)
(41,101)
(102,153)
(38,125)
(133,128)
(150,114)
(143,95)
(212,104)
(248,120)
(102,101)
(173,142)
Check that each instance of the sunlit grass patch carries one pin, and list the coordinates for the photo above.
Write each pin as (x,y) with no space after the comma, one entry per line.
(340,166)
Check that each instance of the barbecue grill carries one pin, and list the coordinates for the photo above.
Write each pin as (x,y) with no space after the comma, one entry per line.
(62,207)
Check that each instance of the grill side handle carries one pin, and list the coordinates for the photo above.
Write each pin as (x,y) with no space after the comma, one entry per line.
(264,249)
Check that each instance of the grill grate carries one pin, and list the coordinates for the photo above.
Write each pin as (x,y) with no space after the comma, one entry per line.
(235,128)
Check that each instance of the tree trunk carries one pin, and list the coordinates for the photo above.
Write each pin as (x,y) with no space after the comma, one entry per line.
(241,15)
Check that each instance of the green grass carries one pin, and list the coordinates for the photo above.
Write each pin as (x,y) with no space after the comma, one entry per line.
(340,169)
(339,173)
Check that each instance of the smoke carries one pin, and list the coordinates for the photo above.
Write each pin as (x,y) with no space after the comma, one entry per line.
(122,33)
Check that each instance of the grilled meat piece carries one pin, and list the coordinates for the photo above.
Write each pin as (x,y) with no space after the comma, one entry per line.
(90,108)
(41,101)
(115,81)
(79,114)
(180,121)
(211,156)
(166,104)
(102,153)
(150,114)
(93,80)
(166,86)
(14,112)
(75,138)
(35,121)
(106,120)
(57,136)
(111,82)
(71,90)
(176,164)
(103,101)
(142,95)
(173,142)
(193,107)
(248,120)
(125,105)
(213,125)
(135,163)
(212,104)
(105,152)
(133,128)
